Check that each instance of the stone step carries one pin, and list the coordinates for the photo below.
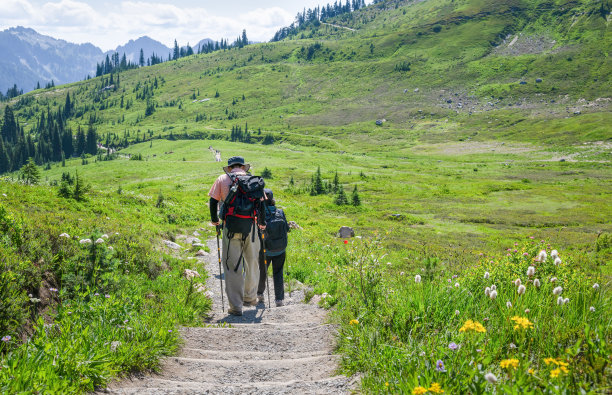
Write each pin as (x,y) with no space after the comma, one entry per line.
(247,371)
(293,313)
(157,386)
(247,355)
(308,339)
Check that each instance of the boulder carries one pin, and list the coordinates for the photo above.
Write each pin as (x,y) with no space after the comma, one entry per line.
(172,245)
(345,232)
(202,253)
(198,245)
(196,233)
(192,240)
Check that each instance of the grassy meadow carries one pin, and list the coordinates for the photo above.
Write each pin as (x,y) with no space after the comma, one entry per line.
(471,174)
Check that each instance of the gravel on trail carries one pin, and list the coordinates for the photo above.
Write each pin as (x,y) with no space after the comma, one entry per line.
(277,350)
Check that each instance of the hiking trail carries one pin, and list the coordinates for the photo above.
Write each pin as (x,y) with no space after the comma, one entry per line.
(277,350)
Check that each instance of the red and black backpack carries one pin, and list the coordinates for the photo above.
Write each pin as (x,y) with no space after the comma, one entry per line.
(241,204)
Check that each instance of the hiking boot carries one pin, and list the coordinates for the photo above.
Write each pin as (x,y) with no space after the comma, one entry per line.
(234,312)
(278,302)
(260,298)
(250,303)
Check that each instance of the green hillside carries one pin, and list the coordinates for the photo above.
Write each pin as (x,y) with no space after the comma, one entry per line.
(493,142)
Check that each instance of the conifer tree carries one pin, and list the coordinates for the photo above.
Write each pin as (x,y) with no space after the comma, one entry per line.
(30,172)
(67,106)
(5,163)
(177,52)
(355,199)
(92,141)
(81,142)
(9,126)
(317,183)
(341,199)
(335,184)
(141,60)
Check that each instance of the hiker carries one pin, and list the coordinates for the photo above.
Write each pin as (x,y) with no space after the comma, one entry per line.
(240,247)
(274,243)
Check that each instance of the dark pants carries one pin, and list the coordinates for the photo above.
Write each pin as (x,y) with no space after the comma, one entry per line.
(277,263)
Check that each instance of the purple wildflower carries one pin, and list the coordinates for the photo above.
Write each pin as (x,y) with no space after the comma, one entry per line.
(6,338)
(440,366)
(453,346)
(107,296)
(169,330)
(96,294)
(53,289)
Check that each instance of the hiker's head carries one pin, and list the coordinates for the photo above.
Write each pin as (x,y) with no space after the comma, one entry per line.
(270,197)
(236,162)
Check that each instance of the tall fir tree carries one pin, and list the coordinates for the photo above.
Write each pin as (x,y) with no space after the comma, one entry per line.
(5,162)
(141,60)
(9,126)
(355,199)
(92,140)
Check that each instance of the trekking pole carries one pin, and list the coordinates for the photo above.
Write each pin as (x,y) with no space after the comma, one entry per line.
(263,239)
(220,273)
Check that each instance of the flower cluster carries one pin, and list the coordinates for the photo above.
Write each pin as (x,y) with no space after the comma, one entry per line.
(521,323)
(434,388)
(353,322)
(474,326)
(509,363)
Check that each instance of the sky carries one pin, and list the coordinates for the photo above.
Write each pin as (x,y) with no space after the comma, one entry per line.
(110,23)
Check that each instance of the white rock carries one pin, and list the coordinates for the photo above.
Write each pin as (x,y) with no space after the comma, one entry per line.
(202,253)
(172,245)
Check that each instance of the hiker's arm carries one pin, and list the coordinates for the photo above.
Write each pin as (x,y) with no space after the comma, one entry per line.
(261,215)
(214,216)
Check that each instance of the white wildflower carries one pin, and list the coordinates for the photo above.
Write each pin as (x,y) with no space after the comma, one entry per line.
(85,241)
(456,285)
(595,286)
(493,287)
(487,291)
(536,282)
(66,235)
(541,256)
(560,301)
(486,275)
(417,278)
(104,236)
(527,311)
(557,261)
(517,282)
(111,248)
(508,304)
(490,377)
(100,241)
(456,312)
(557,291)
(554,254)
(566,300)
(402,273)
(592,308)
(530,271)
(521,289)
(493,294)
(553,279)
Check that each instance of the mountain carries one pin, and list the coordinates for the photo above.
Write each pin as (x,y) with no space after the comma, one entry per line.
(30,57)
(148,46)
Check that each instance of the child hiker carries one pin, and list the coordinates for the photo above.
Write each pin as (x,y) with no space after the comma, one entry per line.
(275,244)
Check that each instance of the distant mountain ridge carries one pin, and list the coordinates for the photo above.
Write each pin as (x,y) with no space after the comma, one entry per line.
(30,58)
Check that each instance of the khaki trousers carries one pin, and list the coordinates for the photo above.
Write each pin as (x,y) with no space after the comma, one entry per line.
(240,284)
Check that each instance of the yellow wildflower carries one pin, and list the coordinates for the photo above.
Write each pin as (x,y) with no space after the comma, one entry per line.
(548,361)
(472,326)
(555,373)
(386,384)
(419,391)
(531,371)
(354,322)
(436,388)
(509,363)
(556,361)
(521,323)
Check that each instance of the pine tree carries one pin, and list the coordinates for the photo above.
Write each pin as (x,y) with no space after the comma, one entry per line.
(336,183)
(5,163)
(9,126)
(245,40)
(141,60)
(92,141)
(317,183)
(177,52)
(30,172)
(81,142)
(67,106)
(355,200)
(80,189)
(341,199)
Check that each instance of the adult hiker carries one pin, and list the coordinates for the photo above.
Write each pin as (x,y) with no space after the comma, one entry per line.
(242,205)
(274,242)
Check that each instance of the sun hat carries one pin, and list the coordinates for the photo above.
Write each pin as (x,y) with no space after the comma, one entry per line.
(236,160)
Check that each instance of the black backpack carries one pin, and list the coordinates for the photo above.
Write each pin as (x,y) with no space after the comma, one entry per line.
(276,231)
(240,206)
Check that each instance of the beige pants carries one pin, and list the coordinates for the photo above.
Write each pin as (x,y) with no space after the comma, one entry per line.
(241,284)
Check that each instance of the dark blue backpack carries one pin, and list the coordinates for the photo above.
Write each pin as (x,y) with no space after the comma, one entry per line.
(276,230)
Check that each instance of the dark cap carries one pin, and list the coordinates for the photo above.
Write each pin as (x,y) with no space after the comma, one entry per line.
(269,194)
(235,160)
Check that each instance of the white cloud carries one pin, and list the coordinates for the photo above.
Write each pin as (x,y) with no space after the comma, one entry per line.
(77,21)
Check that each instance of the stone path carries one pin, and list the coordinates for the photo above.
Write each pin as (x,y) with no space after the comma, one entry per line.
(278,350)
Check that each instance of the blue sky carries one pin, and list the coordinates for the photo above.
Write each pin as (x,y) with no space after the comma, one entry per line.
(109,23)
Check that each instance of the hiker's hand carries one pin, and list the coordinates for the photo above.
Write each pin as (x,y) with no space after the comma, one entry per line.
(262,227)
(215,223)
